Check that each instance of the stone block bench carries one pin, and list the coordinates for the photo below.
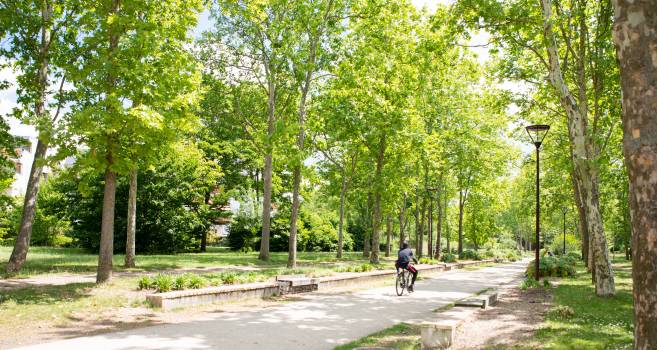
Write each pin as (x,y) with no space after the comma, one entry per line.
(440,334)
(293,284)
(483,300)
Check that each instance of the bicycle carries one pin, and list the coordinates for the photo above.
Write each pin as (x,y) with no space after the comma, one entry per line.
(403,277)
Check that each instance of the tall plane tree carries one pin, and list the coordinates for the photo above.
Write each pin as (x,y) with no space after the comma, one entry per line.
(635,35)
(570,42)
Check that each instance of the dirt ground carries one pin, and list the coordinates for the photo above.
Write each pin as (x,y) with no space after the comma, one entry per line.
(512,321)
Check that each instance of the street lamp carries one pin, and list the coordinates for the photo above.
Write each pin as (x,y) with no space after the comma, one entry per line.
(537,133)
(564,209)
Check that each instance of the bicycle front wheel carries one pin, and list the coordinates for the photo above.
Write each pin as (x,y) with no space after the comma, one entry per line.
(400,284)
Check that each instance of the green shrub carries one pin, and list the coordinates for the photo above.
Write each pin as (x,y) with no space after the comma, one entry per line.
(196,282)
(546,284)
(163,283)
(448,258)
(572,244)
(424,260)
(470,255)
(145,282)
(512,256)
(574,255)
(228,278)
(366,267)
(180,282)
(529,283)
(553,266)
(248,278)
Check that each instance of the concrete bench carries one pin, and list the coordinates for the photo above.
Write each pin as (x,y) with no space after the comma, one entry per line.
(483,300)
(439,334)
(293,284)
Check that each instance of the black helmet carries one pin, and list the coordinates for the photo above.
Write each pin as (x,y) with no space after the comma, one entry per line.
(404,244)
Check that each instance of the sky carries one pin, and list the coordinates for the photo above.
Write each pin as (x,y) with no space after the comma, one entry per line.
(8,96)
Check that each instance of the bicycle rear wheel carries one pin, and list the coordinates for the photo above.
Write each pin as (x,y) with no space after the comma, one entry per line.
(401,283)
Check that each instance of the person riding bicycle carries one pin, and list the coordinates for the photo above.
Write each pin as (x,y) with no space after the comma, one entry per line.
(404,257)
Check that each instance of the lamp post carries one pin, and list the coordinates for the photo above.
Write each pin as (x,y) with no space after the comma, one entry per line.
(564,209)
(537,133)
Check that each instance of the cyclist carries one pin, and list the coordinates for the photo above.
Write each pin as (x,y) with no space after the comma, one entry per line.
(404,257)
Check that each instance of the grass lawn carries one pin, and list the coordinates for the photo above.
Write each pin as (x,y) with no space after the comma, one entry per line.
(42,260)
(597,323)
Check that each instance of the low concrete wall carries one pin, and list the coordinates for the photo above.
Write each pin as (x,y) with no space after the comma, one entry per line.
(349,279)
(171,300)
(176,299)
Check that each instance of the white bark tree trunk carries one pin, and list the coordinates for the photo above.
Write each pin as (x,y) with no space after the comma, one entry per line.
(584,166)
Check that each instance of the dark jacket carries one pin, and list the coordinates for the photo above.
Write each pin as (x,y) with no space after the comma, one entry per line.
(404,256)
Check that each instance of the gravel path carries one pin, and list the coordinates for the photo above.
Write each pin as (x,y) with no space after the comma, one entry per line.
(316,321)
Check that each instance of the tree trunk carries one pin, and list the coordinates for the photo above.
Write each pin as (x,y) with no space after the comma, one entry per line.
(107,228)
(389,234)
(430,233)
(132,221)
(104,273)
(423,217)
(584,154)
(343,192)
(417,221)
(19,254)
(367,237)
(582,222)
(636,47)
(292,248)
(461,206)
(267,172)
(22,244)
(439,227)
(257,192)
(266,207)
(402,224)
(376,227)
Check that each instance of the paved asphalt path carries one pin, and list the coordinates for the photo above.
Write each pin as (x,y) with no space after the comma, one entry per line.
(319,320)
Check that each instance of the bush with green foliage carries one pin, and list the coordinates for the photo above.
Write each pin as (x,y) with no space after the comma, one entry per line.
(180,282)
(529,283)
(172,209)
(196,282)
(469,254)
(315,233)
(8,145)
(572,244)
(145,282)
(553,266)
(448,258)
(163,283)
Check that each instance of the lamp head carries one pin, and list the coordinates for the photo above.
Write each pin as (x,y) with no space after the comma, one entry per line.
(537,133)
